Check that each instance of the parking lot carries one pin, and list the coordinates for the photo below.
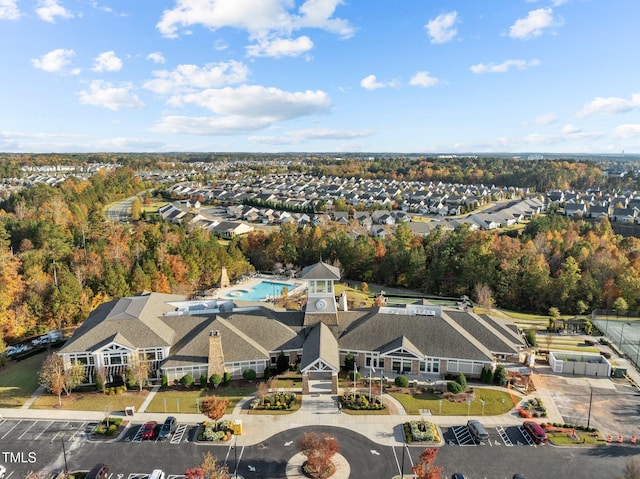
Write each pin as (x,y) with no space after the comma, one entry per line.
(498,436)
(43,430)
(610,405)
(183,433)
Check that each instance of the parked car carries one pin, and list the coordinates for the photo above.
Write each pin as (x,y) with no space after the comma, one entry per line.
(149,429)
(477,430)
(519,476)
(17,349)
(99,471)
(157,474)
(3,470)
(168,427)
(535,431)
(458,475)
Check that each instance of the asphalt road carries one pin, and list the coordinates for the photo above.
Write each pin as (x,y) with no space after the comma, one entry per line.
(27,447)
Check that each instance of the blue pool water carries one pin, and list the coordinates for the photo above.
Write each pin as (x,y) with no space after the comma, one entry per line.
(260,291)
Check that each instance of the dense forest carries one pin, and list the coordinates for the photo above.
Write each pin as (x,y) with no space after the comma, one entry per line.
(572,265)
(61,257)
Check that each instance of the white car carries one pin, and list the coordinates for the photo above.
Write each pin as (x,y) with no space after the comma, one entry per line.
(2,471)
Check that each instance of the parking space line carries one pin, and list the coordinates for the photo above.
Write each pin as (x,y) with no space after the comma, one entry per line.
(77,430)
(504,436)
(9,431)
(526,436)
(28,429)
(44,430)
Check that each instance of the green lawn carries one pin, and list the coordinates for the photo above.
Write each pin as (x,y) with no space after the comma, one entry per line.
(19,380)
(181,401)
(584,439)
(92,401)
(496,402)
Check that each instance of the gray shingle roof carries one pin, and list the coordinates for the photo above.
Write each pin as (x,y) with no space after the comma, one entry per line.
(320,344)
(437,336)
(494,339)
(137,321)
(320,271)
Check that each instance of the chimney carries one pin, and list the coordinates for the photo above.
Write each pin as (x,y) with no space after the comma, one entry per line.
(216,355)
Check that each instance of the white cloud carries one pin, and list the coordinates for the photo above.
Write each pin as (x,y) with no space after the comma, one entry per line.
(534,24)
(545,119)
(211,126)
(260,102)
(156,57)
(48,10)
(260,18)
(504,66)
(280,47)
(442,28)
(609,106)
(627,131)
(243,109)
(371,83)
(302,136)
(423,79)
(54,61)
(106,95)
(9,10)
(107,62)
(186,78)
(570,129)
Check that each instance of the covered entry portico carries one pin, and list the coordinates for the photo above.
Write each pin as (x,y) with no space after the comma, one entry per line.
(320,359)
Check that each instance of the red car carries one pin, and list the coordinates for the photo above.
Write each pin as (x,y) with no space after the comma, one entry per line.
(149,430)
(535,431)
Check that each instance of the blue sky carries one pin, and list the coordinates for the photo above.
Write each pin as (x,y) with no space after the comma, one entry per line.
(419,76)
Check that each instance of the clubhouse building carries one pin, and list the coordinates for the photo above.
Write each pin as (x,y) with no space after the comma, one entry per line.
(178,337)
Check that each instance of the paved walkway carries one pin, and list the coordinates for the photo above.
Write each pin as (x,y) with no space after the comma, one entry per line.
(318,408)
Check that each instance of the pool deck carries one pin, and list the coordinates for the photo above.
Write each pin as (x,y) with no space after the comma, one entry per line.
(250,282)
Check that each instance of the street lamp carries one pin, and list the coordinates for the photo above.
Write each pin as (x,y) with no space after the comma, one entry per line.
(64,453)
(621,336)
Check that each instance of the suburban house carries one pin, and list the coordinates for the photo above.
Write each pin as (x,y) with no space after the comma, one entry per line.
(178,337)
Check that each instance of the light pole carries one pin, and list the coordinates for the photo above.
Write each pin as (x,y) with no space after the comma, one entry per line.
(621,336)
(64,453)
(590,400)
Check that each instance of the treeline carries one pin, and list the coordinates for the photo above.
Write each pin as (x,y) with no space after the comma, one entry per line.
(555,262)
(60,257)
(543,175)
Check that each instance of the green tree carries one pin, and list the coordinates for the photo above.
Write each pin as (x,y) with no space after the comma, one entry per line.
(500,376)
(620,305)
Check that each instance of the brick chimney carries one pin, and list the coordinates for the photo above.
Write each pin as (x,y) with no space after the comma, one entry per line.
(216,356)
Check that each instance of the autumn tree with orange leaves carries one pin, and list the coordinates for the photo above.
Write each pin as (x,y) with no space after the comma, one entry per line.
(425,469)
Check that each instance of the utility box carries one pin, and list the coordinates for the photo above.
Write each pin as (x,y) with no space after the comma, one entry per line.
(129,410)
(237,427)
(619,373)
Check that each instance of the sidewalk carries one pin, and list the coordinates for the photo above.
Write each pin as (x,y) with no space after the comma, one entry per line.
(319,408)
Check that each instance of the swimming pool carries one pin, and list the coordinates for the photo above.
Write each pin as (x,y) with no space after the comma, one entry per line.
(261,291)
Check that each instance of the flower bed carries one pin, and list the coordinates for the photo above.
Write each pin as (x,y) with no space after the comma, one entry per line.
(533,408)
(361,401)
(422,431)
(215,431)
(112,426)
(274,401)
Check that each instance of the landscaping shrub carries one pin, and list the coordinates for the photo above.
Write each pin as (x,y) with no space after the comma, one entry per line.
(349,362)
(226,378)
(361,401)
(530,335)
(357,375)
(215,380)
(99,382)
(165,381)
(267,373)
(203,381)
(454,387)
(462,380)
(500,376)
(282,363)
(401,381)
(422,431)
(187,380)
(249,374)
(111,430)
